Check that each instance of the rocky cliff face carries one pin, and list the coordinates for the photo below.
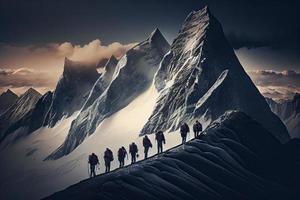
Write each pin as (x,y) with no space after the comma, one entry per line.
(133,75)
(72,90)
(289,113)
(237,158)
(201,77)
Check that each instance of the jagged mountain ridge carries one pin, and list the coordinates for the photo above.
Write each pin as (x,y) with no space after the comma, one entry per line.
(32,120)
(201,77)
(7,99)
(71,90)
(228,162)
(289,112)
(17,111)
(133,75)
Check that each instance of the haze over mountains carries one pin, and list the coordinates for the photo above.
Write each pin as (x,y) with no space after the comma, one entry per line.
(154,86)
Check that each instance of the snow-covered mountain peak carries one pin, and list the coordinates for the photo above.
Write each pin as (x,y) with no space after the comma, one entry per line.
(155,40)
(8,92)
(201,77)
(31,92)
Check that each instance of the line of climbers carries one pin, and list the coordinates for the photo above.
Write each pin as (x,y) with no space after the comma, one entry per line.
(133,149)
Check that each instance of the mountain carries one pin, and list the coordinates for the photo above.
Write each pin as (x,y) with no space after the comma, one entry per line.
(7,99)
(71,90)
(289,113)
(228,162)
(32,120)
(201,77)
(102,63)
(133,75)
(17,111)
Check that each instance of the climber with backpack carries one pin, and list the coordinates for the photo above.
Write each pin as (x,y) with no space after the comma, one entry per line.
(184,129)
(197,128)
(108,157)
(133,151)
(160,138)
(93,161)
(147,144)
(121,156)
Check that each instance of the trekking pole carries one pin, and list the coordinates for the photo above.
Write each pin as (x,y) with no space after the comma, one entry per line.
(88,170)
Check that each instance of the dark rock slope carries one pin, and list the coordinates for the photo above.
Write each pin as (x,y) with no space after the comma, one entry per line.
(71,90)
(289,112)
(237,158)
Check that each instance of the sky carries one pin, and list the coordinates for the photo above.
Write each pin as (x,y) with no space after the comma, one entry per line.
(36,35)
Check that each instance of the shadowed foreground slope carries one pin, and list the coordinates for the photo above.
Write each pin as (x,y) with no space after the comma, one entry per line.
(236,159)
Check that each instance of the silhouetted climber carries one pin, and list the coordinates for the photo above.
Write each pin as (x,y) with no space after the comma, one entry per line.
(121,156)
(197,128)
(160,138)
(184,129)
(147,144)
(108,157)
(133,151)
(93,161)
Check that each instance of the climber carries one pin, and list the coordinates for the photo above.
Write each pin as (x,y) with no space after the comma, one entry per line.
(147,144)
(93,161)
(121,156)
(133,151)
(160,138)
(108,157)
(197,128)
(184,129)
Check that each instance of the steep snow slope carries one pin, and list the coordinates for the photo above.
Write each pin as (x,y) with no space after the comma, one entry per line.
(229,162)
(37,178)
(133,75)
(71,90)
(201,77)
(7,99)
(289,113)
(18,110)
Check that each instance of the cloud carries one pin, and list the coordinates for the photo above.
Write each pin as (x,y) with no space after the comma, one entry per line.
(41,65)
(276,85)
(21,79)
